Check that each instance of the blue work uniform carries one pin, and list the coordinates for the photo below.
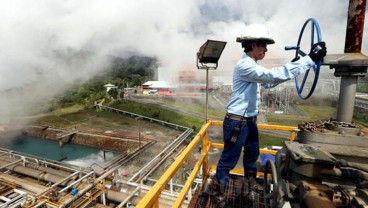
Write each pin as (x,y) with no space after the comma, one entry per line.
(240,126)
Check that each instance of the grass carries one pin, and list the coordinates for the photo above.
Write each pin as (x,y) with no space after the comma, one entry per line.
(67,110)
(266,140)
(193,106)
(318,112)
(312,113)
(161,114)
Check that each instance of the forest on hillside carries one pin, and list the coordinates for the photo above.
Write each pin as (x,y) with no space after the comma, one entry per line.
(122,72)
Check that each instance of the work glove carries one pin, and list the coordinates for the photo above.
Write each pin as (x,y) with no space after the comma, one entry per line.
(318,51)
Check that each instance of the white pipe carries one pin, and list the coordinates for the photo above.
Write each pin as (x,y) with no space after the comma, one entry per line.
(103,198)
(39,204)
(157,156)
(171,186)
(12,163)
(147,188)
(175,146)
(77,181)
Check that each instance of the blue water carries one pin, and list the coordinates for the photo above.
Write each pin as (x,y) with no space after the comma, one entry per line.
(50,149)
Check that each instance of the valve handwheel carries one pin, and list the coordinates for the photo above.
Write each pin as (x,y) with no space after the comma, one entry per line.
(315,31)
(270,194)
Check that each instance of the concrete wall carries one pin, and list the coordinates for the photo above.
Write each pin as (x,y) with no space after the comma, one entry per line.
(88,139)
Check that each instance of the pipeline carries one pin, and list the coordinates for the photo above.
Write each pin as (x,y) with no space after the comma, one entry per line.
(40,175)
(35,166)
(120,197)
(355,26)
(128,198)
(56,184)
(175,146)
(115,195)
(24,184)
(178,140)
(357,166)
(126,157)
(353,44)
(77,195)
(64,167)
(122,161)
(77,181)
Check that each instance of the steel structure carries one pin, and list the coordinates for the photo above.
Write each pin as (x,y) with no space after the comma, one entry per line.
(151,199)
(335,134)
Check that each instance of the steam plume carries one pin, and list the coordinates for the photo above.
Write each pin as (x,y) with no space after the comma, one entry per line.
(32,31)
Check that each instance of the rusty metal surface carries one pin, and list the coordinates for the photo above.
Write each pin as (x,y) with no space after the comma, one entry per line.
(233,195)
(330,124)
(316,195)
(355,26)
(341,139)
(332,132)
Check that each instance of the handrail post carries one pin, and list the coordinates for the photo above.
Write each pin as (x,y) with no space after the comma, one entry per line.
(292,135)
(156,204)
(205,149)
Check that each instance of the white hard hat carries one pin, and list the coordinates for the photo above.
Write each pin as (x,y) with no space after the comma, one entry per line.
(255,33)
(250,39)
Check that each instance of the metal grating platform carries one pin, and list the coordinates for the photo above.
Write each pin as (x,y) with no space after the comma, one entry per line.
(233,194)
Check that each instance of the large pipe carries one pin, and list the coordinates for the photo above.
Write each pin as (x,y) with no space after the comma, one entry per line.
(24,184)
(115,196)
(58,183)
(355,26)
(36,166)
(75,182)
(128,198)
(36,173)
(58,172)
(345,110)
(69,200)
(353,44)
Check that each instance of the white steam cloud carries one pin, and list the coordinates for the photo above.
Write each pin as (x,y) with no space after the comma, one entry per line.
(172,31)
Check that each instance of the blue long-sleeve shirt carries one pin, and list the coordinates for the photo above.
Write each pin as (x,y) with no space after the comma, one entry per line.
(248,76)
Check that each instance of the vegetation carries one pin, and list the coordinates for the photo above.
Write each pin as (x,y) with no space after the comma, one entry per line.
(159,113)
(361,117)
(130,72)
(133,71)
(362,87)
(266,140)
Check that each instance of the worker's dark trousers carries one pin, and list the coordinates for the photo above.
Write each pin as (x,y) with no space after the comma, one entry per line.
(247,137)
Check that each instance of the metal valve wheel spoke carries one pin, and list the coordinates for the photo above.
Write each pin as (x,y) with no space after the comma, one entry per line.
(315,31)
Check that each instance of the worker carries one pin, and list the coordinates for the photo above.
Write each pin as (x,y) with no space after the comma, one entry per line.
(240,123)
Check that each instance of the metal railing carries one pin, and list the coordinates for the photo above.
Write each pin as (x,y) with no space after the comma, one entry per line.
(151,199)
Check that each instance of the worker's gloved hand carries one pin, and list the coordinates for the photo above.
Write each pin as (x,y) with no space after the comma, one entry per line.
(318,51)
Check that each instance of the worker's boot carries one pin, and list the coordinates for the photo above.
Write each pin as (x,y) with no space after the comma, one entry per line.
(250,186)
(216,192)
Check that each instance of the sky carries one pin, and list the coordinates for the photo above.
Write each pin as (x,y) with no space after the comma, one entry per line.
(171,30)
